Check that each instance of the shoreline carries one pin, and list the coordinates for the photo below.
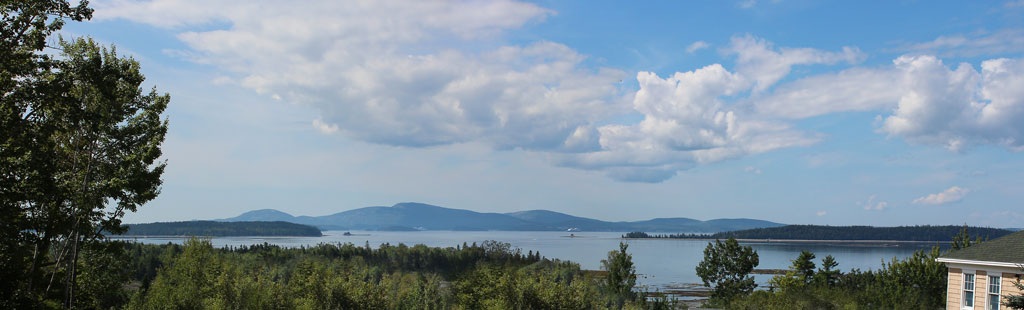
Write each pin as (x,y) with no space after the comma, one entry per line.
(799,240)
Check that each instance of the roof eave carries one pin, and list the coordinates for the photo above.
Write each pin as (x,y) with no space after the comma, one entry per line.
(979,262)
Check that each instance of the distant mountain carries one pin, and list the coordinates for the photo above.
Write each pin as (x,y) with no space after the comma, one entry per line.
(264,215)
(419,216)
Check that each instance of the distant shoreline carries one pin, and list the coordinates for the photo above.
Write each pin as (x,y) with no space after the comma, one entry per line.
(201,235)
(797,240)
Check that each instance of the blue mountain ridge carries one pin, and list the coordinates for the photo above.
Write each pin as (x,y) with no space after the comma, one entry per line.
(420,216)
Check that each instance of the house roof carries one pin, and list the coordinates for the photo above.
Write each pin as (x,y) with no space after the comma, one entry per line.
(1007,249)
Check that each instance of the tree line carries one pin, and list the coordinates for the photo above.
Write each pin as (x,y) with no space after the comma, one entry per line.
(222,229)
(491,275)
(822,232)
(915,282)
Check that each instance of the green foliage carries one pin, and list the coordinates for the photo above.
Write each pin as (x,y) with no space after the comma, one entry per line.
(621,277)
(79,143)
(727,266)
(963,240)
(916,282)
(220,229)
(1016,301)
(489,276)
(804,266)
(827,274)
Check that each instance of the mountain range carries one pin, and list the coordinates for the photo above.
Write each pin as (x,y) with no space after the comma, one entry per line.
(419,216)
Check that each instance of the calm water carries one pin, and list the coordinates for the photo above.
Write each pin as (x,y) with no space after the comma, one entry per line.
(661,263)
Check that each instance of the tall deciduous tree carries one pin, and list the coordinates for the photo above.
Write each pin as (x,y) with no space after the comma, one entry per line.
(621,276)
(727,265)
(79,147)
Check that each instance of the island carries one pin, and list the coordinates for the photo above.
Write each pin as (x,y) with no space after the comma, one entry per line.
(925,233)
(223,229)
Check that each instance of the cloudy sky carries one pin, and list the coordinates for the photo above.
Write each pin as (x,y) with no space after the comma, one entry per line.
(852,112)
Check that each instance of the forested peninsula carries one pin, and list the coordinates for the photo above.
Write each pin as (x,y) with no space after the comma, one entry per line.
(822,232)
(222,229)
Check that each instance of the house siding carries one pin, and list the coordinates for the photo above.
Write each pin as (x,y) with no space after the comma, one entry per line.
(1007,286)
(953,289)
(980,289)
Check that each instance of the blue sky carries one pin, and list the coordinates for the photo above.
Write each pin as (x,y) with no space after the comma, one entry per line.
(868,112)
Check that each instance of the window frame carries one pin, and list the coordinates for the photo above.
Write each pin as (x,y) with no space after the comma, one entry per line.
(963,289)
(994,281)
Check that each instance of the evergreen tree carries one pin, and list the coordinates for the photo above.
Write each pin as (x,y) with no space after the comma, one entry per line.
(828,273)
(1016,301)
(804,265)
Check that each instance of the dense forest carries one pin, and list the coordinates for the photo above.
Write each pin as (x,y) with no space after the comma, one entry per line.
(222,229)
(820,232)
(491,275)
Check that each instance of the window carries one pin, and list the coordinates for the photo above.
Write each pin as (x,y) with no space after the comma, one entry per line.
(993,292)
(968,294)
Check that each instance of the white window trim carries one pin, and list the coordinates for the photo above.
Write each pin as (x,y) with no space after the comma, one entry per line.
(988,290)
(963,288)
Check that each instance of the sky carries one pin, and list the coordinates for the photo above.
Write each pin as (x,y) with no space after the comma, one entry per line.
(801,112)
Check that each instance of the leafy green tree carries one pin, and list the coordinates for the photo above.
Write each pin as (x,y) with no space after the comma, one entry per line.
(804,265)
(77,136)
(728,265)
(621,277)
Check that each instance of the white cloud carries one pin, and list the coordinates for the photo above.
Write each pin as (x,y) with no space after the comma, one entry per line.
(962,107)
(752,170)
(983,43)
(855,89)
(821,213)
(758,60)
(696,46)
(929,102)
(435,72)
(953,194)
(324,127)
(686,122)
(873,204)
(393,73)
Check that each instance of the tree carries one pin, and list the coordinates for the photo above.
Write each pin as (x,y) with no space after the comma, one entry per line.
(727,266)
(621,276)
(804,265)
(827,274)
(1016,301)
(963,240)
(79,144)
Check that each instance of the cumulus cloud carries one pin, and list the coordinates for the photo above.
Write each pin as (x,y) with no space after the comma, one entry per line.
(957,108)
(686,122)
(928,101)
(821,213)
(953,194)
(873,204)
(393,73)
(696,46)
(752,170)
(436,72)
